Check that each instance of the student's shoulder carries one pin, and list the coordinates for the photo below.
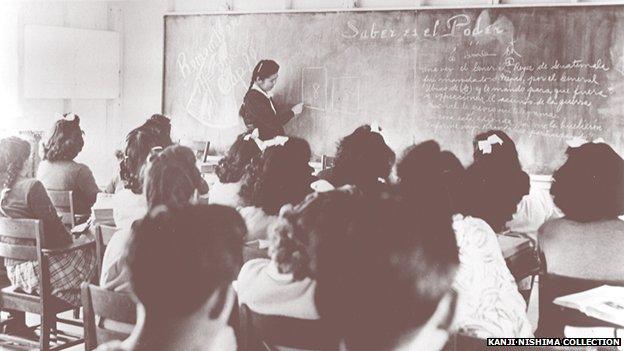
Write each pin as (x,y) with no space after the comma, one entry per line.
(252,269)
(255,96)
(81,167)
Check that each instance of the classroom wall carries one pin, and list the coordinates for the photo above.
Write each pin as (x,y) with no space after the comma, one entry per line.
(141,26)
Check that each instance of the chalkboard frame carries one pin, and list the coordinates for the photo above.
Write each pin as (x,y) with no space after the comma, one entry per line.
(540,177)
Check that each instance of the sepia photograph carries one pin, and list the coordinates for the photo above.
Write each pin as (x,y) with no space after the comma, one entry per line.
(312,175)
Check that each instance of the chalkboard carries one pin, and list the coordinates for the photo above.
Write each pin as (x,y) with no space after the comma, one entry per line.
(543,74)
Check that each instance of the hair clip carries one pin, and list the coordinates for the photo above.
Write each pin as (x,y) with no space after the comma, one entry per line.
(486,145)
(578,141)
(260,66)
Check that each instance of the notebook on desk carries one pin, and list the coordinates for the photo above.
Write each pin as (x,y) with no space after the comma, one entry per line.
(604,302)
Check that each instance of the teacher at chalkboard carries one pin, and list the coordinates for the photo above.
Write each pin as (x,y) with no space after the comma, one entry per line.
(258,110)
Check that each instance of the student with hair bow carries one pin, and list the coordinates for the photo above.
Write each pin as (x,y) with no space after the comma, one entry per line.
(258,109)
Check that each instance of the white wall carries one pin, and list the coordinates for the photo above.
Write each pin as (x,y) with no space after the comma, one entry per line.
(141,26)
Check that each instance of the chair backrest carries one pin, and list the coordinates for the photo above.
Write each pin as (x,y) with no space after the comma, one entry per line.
(327,161)
(29,229)
(109,305)
(201,149)
(21,229)
(103,234)
(553,318)
(63,201)
(258,329)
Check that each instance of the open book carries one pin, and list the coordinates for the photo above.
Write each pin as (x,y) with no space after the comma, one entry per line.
(605,303)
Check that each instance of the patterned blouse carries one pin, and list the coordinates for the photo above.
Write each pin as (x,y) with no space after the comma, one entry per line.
(489,304)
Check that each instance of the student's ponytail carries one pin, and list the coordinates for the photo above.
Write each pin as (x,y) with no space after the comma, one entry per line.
(255,72)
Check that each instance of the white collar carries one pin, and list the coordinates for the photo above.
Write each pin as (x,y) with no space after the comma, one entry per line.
(274,273)
(256,87)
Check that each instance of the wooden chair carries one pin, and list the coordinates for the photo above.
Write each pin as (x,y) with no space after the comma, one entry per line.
(553,318)
(109,305)
(45,305)
(262,332)
(327,162)
(103,234)
(63,201)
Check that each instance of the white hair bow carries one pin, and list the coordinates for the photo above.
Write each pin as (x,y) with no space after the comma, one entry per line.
(279,140)
(264,144)
(70,117)
(253,135)
(578,141)
(375,128)
(486,145)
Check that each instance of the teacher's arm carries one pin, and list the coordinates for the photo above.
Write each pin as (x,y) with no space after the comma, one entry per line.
(259,107)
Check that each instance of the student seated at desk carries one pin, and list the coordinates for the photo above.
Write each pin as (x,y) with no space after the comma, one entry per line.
(171,179)
(280,176)
(483,197)
(158,128)
(284,285)
(230,171)
(588,242)
(181,264)
(490,304)
(59,171)
(385,284)
(362,159)
(23,197)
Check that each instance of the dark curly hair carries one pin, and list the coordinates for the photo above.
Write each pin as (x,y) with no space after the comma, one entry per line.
(139,143)
(362,158)
(280,176)
(155,132)
(14,152)
(232,167)
(160,127)
(66,140)
(171,177)
(295,238)
(590,184)
(427,171)
(494,183)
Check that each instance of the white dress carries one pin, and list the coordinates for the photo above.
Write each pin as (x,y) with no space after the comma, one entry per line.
(489,304)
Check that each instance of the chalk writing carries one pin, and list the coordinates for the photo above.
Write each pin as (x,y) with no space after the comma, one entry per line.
(460,25)
(489,91)
(314,87)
